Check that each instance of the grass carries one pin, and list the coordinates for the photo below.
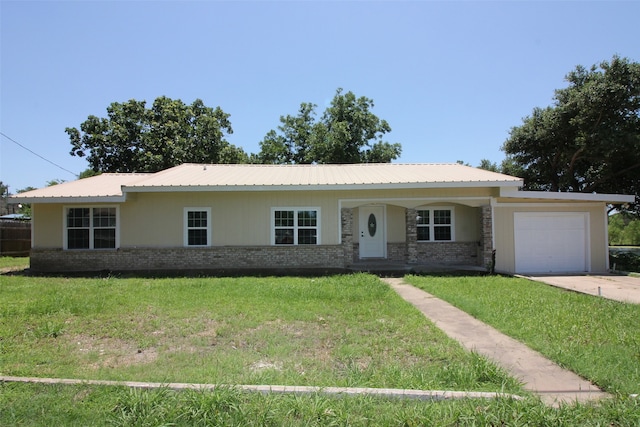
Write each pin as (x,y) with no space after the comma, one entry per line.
(335,331)
(13,263)
(81,405)
(332,331)
(594,337)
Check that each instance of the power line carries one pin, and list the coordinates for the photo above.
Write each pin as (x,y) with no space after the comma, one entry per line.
(38,155)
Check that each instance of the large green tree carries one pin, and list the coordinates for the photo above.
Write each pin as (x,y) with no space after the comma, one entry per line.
(624,229)
(347,132)
(133,138)
(588,140)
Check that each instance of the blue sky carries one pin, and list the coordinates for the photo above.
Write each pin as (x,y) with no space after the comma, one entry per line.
(451,78)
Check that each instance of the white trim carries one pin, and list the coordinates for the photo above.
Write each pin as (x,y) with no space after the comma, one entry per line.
(75,199)
(493,222)
(547,205)
(185,230)
(319,187)
(295,209)
(432,224)
(65,234)
(33,226)
(548,195)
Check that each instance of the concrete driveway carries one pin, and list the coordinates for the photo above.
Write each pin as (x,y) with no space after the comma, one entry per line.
(611,286)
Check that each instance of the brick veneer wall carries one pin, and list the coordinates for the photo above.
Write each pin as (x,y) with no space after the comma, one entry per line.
(397,252)
(257,258)
(465,253)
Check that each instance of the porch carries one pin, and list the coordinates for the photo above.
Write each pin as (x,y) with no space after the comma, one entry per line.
(402,246)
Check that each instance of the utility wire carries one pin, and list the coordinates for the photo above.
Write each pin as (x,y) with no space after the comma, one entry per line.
(38,155)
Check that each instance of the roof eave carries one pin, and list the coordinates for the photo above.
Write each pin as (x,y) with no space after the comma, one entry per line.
(325,187)
(586,197)
(74,199)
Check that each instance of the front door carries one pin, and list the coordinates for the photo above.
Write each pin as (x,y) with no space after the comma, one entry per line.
(372,231)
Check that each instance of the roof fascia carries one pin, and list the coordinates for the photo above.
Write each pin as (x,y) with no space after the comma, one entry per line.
(311,187)
(80,199)
(583,197)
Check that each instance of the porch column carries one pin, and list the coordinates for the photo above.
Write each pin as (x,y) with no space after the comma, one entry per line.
(486,236)
(412,235)
(346,215)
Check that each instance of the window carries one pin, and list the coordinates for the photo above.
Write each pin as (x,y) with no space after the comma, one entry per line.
(197,223)
(435,224)
(295,226)
(91,228)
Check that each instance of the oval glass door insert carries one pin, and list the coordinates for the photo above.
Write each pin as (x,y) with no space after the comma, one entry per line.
(372,225)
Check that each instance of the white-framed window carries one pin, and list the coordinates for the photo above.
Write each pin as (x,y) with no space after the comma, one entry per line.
(295,226)
(91,227)
(197,226)
(435,224)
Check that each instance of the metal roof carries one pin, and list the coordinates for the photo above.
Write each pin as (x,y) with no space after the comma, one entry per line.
(105,187)
(249,177)
(308,177)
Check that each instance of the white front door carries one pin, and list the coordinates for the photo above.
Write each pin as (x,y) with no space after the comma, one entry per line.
(372,232)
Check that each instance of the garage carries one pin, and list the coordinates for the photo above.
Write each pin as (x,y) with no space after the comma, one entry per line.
(551,242)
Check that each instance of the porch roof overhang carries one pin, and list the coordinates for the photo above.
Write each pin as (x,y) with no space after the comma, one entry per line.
(510,193)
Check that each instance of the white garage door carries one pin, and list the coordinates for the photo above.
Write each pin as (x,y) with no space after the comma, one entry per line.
(550,242)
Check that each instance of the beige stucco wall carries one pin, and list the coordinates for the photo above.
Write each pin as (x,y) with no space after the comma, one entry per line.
(237,218)
(243,218)
(503,223)
(46,225)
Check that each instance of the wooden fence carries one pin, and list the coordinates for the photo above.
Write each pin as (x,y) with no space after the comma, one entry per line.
(15,238)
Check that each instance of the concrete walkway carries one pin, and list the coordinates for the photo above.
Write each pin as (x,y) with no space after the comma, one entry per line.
(538,374)
(610,286)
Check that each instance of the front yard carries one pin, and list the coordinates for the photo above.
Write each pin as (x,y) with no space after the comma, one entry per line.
(331,331)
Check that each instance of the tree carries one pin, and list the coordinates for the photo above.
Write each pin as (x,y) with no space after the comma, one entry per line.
(292,144)
(624,229)
(488,165)
(88,173)
(347,132)
(135,139)
(25,208)
(589,139)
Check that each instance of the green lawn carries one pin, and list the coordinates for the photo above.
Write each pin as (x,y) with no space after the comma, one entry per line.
(332,331)
(55,405)
(597,338)
(13,263)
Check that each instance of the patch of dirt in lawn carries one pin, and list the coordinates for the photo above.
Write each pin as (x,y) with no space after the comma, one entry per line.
(298,343)
(112,352)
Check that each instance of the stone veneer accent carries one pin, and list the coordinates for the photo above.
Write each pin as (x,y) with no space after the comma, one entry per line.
(227,258)
(411,218)
(346,217)
(486,235)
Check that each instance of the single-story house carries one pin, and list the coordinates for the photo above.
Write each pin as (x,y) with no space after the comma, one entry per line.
(314,217)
